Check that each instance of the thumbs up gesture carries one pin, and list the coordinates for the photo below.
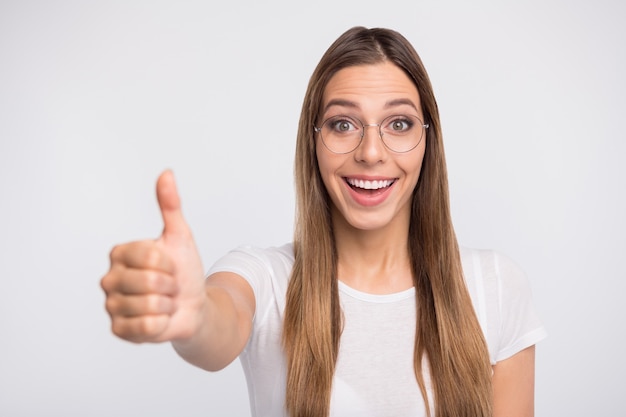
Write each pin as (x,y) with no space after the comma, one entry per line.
(155,288)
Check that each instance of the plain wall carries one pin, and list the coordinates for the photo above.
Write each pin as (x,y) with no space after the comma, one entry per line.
(97,98)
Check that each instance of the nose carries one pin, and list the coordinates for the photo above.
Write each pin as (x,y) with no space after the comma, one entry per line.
(371,150)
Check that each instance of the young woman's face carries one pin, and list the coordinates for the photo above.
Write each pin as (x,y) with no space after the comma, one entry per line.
(370,187)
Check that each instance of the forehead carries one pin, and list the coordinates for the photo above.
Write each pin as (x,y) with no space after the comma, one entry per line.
(370,86)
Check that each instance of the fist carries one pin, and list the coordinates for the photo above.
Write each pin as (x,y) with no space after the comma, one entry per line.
(155,288)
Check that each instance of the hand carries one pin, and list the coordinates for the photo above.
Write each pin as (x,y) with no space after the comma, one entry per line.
(155,288)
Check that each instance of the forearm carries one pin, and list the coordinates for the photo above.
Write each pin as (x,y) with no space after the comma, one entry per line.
(221,334)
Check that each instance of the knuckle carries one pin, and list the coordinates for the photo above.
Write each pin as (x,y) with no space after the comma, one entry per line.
(158,282)
(120,329)
(145,326)
(157,304)
(105,283)
(150,326)
(151,256)
(111,305)
(110,282)
(150,304)
(137,330)
(152,282)
(115,253)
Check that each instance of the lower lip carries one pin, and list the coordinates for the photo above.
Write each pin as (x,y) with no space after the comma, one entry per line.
(368,198)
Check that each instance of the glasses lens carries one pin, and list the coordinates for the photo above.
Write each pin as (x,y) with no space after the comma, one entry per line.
(402,133)
(341,134)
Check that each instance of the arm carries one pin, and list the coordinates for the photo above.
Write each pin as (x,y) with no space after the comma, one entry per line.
(514,385)
(156,292)
(227,323)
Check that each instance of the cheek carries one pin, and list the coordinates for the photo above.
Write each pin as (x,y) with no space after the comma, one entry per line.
(413,168)
(418,165)
(329,182)
(324,164)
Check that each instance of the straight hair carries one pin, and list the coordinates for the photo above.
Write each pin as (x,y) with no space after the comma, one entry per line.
(447,335)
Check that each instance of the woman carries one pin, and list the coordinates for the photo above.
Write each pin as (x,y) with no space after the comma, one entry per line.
(372,310)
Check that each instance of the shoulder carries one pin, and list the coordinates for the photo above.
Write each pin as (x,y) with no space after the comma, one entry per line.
(487,268)
(267,270)
(247,257)
(502,299)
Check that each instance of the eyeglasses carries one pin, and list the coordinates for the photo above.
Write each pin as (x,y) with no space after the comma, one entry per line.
(400,133)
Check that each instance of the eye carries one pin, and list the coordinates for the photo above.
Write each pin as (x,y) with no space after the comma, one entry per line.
(341,124)
(399,124)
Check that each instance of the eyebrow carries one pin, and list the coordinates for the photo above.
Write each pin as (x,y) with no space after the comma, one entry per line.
(351,104)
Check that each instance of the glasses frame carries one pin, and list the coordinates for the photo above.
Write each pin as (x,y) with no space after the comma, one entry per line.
(379,125)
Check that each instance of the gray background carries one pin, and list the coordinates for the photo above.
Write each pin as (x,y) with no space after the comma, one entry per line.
(97,98)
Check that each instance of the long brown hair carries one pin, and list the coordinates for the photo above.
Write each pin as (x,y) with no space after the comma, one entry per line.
(447,333)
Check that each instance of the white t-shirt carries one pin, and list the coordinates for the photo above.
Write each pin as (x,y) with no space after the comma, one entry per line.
(374,375)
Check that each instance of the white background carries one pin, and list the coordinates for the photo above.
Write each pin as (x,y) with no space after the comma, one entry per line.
(97,98)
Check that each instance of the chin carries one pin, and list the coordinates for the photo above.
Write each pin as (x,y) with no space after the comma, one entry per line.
(367,223)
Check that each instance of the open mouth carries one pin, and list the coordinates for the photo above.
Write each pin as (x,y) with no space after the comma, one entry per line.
(369,186)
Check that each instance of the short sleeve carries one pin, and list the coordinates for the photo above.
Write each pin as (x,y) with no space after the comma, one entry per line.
(503,303)
(267,270)
(520,326)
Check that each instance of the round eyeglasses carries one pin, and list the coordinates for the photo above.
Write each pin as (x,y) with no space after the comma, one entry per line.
(400,133)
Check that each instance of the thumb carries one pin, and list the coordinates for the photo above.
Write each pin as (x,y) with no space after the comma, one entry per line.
(169,202)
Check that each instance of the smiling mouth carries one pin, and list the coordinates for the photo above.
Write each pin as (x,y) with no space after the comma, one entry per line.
(369,185)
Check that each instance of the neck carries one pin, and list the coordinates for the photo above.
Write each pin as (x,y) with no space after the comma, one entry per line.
(374,261)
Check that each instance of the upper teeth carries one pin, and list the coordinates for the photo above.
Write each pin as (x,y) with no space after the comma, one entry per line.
(370,185)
